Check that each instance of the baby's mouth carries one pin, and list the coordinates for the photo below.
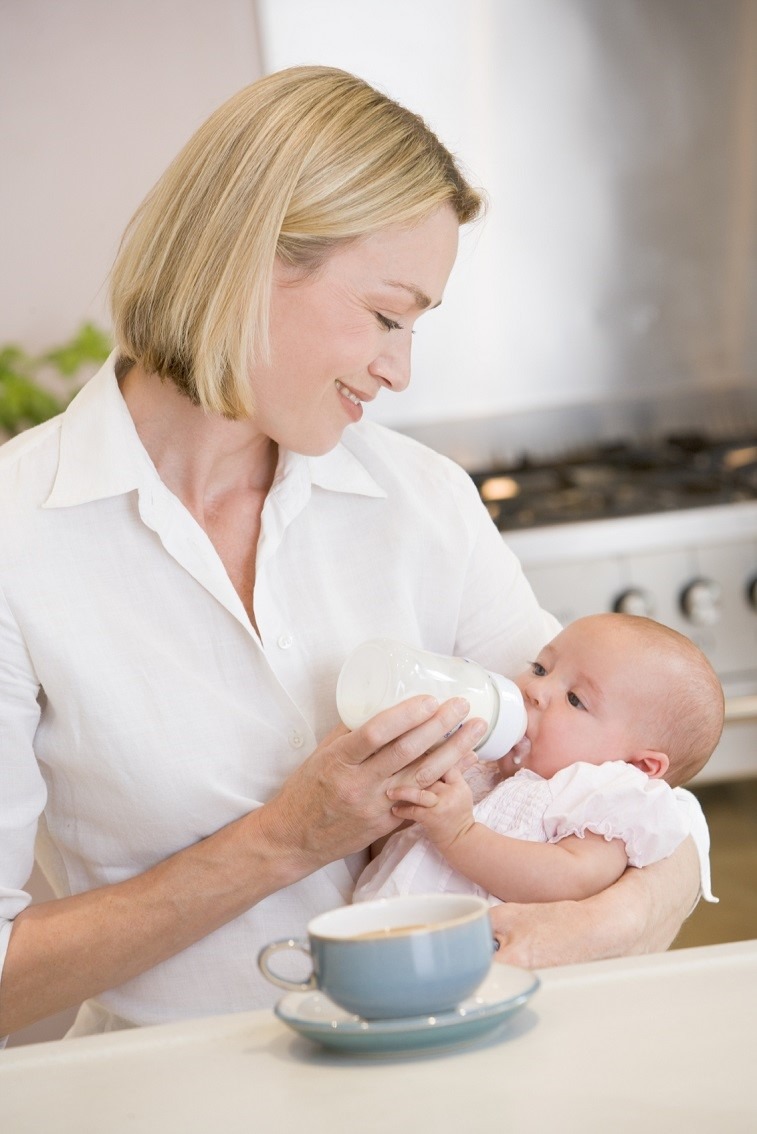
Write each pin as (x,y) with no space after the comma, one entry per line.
(520,751)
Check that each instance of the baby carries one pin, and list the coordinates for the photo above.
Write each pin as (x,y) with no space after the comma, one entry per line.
(621,710)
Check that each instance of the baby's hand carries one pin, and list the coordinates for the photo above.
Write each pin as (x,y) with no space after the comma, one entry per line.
(445,810)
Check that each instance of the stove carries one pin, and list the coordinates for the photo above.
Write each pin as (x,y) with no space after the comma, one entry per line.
(647,506)
(664,528)
(680,471)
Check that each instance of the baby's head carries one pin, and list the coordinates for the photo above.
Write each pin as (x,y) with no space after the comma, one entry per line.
(620,687)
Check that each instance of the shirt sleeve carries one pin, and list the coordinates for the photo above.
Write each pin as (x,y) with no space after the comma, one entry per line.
(500,621)
(23,788)
(691,811)
(618,801)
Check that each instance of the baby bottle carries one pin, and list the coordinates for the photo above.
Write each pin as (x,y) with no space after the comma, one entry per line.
(381,673)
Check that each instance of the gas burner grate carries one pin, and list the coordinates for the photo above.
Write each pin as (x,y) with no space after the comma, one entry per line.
(687,470)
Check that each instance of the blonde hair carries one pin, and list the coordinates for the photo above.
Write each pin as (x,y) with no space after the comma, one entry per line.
(687,723)
(291,166)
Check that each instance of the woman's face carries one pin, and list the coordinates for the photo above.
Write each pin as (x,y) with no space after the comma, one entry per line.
(343,334)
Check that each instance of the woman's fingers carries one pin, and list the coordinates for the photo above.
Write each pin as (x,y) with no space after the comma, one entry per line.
(336,801)
(409,811)
(415,743)
(453,776)
(398,736)
(408,794)
(456,750)
(541,934)
(362,743)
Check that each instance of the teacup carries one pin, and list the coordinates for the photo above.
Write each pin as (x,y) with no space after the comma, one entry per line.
(411,956)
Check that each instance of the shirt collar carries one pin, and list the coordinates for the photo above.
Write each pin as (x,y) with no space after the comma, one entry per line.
(341,471)
(101,454)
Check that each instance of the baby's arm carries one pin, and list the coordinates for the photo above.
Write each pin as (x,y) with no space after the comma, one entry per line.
(513,870)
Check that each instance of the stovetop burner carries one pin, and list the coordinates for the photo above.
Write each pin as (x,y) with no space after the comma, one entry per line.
(686,470)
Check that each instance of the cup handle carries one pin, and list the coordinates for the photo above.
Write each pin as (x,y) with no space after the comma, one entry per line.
(290,944)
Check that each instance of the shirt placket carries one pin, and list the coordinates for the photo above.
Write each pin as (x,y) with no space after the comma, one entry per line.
(278,633)
(186,542)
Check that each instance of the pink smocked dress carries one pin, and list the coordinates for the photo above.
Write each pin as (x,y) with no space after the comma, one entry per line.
(614,800)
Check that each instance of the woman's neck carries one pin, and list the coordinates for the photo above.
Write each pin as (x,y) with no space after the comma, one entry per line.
(199,456)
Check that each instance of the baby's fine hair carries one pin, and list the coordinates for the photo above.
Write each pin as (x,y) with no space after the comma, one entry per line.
(690,721)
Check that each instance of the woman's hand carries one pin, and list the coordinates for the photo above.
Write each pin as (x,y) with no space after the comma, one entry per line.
(336,802)
(640,913)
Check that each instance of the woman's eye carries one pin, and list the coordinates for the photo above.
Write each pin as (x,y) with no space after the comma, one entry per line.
(538,669)
(575,701)
(388,324)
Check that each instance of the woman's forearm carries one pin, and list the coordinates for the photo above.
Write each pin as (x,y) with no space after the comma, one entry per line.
(63,951)
(658,899)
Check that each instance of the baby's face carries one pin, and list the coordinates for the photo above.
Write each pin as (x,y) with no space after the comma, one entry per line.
(590,695)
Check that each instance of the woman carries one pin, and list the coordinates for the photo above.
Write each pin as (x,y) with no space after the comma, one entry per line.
(191,550)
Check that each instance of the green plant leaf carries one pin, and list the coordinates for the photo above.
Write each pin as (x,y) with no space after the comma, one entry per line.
(14,361)
(22,403)
(89,344)
(25,399)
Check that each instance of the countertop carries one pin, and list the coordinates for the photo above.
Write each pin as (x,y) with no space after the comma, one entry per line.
(657,1043)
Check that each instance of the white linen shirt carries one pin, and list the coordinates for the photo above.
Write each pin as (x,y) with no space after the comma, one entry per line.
(139,709)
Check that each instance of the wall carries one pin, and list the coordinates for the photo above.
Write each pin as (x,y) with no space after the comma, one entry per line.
(618,144)
(95,100)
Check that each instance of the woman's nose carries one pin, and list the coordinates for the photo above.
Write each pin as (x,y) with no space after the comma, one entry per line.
(392,366)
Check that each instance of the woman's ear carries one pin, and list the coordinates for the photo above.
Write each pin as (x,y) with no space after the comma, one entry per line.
(655,764)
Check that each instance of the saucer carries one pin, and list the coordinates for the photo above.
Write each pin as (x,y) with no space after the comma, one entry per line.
(503,991)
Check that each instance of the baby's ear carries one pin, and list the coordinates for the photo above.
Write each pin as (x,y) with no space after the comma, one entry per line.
(655,764)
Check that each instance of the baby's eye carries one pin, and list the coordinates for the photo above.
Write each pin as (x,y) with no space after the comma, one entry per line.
(538,669)
(575,701)
(388,324)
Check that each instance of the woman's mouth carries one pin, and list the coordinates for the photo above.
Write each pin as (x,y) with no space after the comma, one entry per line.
(347,393)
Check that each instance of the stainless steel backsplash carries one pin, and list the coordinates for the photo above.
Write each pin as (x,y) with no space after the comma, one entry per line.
(676,129)
(648,280)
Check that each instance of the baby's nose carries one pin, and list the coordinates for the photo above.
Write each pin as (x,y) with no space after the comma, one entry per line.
(535,691)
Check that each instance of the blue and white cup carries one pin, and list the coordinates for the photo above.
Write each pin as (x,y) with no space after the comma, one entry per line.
(411,956)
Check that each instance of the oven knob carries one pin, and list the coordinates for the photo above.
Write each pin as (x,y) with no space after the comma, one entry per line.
(751,592)
(634,601)
(700,602)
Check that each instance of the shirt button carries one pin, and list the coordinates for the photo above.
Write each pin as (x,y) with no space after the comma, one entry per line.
(296,740)
(284,641)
